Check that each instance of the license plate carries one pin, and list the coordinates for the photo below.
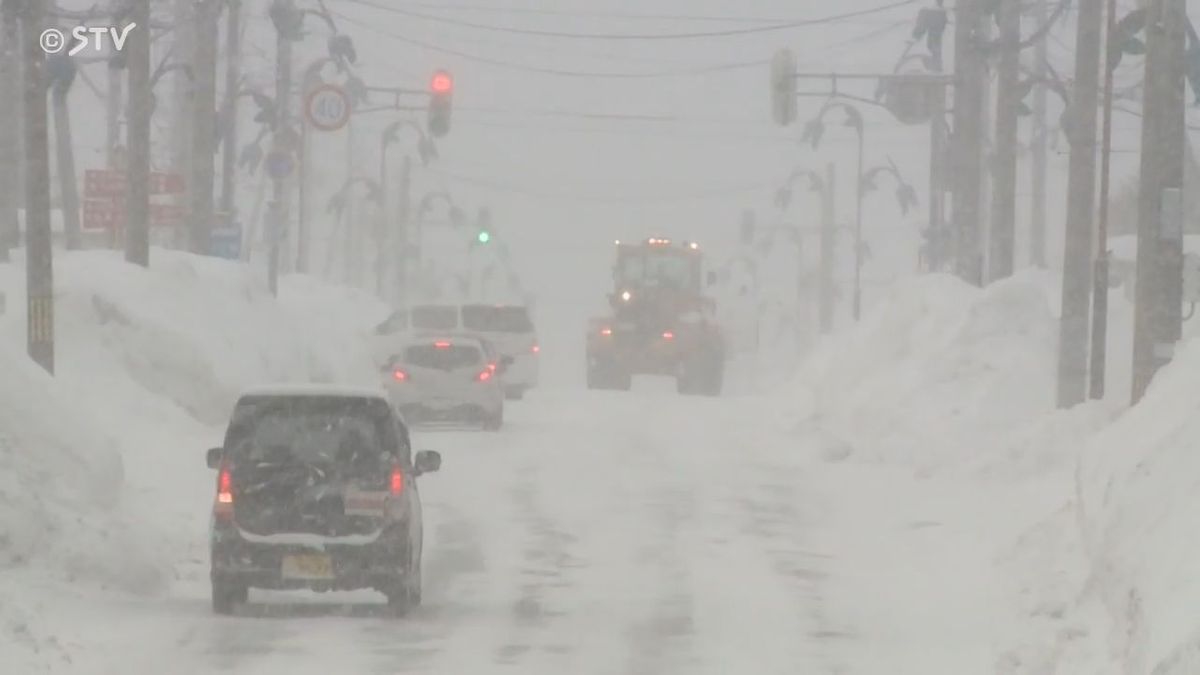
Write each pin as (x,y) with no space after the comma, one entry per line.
(310,566)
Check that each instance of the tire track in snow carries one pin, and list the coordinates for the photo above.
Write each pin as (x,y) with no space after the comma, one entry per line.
(547,562)
(770,506)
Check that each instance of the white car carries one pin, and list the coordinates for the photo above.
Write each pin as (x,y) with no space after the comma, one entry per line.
(510,329)
(445,380)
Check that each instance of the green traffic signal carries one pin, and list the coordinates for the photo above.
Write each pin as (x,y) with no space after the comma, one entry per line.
(484,236)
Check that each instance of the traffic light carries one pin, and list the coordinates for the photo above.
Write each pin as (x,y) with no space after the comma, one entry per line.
(441,90)
(483,237)
(783,87)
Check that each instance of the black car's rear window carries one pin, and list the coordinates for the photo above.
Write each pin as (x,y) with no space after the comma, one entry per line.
(311,429)
(497,319)
(435,318)
(448,357)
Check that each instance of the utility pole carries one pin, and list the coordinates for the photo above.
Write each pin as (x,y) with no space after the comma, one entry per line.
(382,231)
(183,83)
(856,304)
(1157,308)
(113,99)
(828,239)
(279,212)
(1002,233)
(970,70)
(1099,352)
(39,263)
(10,131)
(937,183)
(204,107)
(302,253)
(1037,219)
(137,202)
(65,165)
(1081,197)
(229,136)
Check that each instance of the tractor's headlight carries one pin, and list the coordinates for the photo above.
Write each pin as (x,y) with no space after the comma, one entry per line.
(626,295)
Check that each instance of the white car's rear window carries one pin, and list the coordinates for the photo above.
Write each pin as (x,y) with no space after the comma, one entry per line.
(450,357)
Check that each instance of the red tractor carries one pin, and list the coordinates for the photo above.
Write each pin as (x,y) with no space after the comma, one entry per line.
(661,323)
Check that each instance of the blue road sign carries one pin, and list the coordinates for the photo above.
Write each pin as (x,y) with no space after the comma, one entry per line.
(279,164)
(226,241)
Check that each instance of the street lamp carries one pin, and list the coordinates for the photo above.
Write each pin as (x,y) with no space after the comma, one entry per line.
(813,131)
(906,194)
(818,184)
(339,204)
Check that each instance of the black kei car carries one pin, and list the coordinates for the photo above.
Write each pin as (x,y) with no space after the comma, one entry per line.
(316,489)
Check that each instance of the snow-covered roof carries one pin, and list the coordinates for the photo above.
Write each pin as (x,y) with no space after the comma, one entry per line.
(338,390)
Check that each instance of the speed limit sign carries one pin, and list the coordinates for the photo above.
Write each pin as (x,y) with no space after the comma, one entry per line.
(327,107)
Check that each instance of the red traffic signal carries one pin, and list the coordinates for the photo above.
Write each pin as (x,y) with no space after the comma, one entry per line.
(441,83)
(441,88)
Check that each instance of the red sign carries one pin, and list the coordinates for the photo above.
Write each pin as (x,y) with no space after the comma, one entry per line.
(104,199)
(166,214)
(111,183)
(100,214)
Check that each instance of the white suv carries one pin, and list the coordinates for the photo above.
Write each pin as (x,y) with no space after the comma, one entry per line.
(510,329)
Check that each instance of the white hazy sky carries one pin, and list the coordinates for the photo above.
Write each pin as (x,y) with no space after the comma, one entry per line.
(562,187)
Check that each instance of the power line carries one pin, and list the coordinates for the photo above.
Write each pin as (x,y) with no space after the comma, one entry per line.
(539,129)
(592,13)
(503,186)
(690,72)
(728,32)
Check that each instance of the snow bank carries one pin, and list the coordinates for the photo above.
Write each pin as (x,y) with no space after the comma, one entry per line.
(1139,487)
(196,330)
(62,521)
(938,367)
(60,482)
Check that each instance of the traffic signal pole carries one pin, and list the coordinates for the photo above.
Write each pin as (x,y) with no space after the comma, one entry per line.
(39,266)
(828,244)
(403,214)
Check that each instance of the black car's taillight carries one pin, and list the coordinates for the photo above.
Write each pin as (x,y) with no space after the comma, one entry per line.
(396,481)
(223,507)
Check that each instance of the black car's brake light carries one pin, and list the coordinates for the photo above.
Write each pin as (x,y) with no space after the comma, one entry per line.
(396,481)
(223,508)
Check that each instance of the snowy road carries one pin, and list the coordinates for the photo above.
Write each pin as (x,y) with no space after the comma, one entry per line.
(598,533)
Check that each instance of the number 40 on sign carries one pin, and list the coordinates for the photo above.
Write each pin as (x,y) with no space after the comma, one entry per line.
(327,107)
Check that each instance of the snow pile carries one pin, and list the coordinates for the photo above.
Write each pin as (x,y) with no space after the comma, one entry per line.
(60,483)
(197,330)
(938,367)
(1140,496)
